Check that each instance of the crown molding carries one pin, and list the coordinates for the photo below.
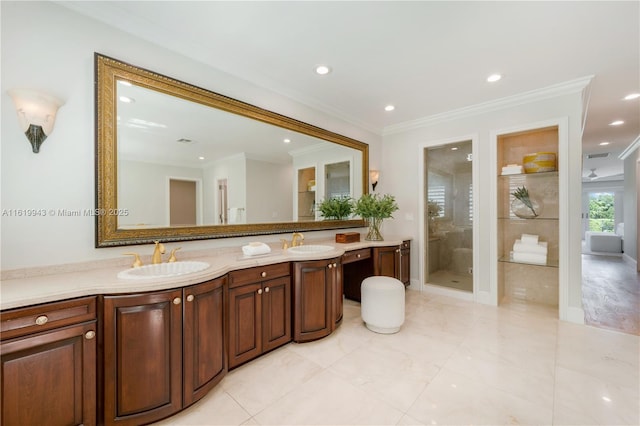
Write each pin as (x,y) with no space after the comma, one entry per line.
(568,87)
(628,150)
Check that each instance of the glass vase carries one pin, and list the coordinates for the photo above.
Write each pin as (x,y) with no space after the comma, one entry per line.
(373,233)
(526,210)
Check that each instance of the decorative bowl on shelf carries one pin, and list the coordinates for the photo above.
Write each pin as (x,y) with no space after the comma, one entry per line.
(539,162)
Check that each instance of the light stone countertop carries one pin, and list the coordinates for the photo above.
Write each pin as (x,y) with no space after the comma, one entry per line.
(59,282)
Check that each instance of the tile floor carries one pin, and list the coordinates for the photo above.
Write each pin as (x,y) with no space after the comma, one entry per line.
(453,363)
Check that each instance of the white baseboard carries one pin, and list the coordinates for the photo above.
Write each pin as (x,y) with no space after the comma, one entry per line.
(629,259)
(575,315)
(441,291)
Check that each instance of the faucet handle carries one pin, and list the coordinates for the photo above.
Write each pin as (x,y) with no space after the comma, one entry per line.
(172,256)
(285,244)
(136,262)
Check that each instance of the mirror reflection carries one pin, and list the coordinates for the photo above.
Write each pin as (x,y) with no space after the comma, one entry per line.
(186,163)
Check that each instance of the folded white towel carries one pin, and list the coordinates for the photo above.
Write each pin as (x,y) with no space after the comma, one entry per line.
(540,248)
(529,239)
(512,169)
(254,249)
(538,259)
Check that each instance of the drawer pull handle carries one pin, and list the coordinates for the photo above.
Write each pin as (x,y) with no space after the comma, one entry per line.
(177,301)
(89,335)
(335,265)
(358,255)
(42,320)
(190,298)
(266,289)
(259,291)
(264,274)
(329,266)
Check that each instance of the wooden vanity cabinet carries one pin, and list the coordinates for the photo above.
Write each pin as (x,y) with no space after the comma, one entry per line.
(48,355)
(356,266)
(205,351)
(315,308)
(162,351)
(405,263)
(259,309)
(386,261)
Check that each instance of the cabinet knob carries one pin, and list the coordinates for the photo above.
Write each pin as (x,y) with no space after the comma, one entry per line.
(42,320)
(397,250)
(329,266)
(259,291)
(358,255)
(264,274)
(266,289)
(335,265)
(177,301)
(90,335)
(190,298)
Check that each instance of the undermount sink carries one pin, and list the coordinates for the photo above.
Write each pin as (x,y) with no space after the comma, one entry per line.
(309,249)
(163,270)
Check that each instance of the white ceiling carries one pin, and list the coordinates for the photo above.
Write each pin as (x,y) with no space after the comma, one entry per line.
(424,57)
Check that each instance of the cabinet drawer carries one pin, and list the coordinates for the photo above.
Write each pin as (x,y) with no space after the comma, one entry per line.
(355,255)
(34,319)
(260,273)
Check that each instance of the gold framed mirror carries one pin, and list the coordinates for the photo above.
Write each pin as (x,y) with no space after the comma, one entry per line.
(156,134)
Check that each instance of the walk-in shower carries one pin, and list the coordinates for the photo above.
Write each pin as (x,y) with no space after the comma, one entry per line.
(449,216)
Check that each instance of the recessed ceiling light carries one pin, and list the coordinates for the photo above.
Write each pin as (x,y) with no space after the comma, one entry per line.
(200,158)
(455,148)
(604,143)
(632,96)
(287,141)
(616,123)
(323,69)
(126,99)
(493,78)
(389,108)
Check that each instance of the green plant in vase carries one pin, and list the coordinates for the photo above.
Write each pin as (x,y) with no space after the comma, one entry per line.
(374,209)
(336,208)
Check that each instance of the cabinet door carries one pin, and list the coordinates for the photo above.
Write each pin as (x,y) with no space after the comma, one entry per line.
(245,316)
(276,313)
(337,294)
(205,359)
(142,357)
(405,263)
(386,261)
(50,378)
(312,300)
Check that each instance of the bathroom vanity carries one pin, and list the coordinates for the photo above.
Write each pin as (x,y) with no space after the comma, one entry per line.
(85,347)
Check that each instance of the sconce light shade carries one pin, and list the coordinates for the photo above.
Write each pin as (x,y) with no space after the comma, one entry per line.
(36,114)
(373,178)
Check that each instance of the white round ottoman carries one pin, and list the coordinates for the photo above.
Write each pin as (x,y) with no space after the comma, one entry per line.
(382,304)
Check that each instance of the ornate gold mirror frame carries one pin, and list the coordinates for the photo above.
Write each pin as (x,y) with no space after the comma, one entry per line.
(108,72)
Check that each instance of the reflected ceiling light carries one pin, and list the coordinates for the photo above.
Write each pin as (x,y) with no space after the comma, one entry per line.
(323,69)
(126,99)
(455,148)
(389,108)
(606,398)
(36,114)
(287,141)
(616,123)
(605,143)
(493,78)
(593,174)
(632,96)
(124,83)
(201,158)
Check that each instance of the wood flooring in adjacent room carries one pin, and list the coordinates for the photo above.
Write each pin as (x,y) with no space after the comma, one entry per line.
(611,293)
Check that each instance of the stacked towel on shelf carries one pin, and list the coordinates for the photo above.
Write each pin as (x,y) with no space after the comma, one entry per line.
(254,249)
(529,250)
(512,169)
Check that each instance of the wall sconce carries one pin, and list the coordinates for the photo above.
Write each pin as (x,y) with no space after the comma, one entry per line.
(36,114)
(373,178)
